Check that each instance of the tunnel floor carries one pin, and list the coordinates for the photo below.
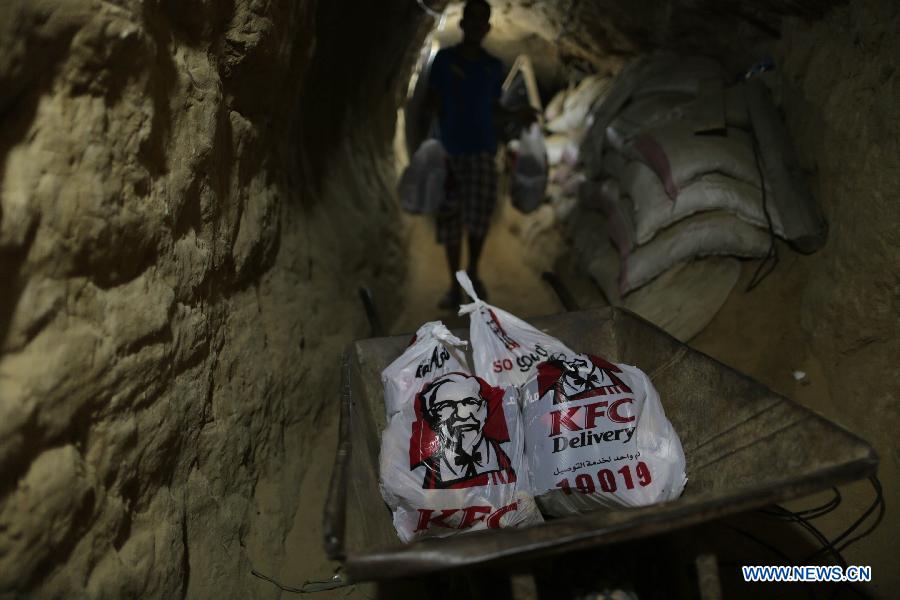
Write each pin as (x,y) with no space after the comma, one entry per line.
(510,282)
(757,332)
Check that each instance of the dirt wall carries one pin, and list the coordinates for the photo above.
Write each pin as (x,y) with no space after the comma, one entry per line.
(176,286)
(841,94)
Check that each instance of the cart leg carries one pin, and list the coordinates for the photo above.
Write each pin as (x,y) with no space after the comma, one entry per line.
(368,301)
(523,586)
(565,297)
(708,577)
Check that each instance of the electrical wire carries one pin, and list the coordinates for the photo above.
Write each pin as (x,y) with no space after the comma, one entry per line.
(337,581)
(833,547)
(813,530)
(878,503)
(772,252)
(283,588)
(778,512)
(784,557)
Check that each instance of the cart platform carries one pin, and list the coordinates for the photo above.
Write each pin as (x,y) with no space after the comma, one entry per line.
(746,447)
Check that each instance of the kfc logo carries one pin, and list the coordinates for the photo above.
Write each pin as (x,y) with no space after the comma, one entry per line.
(458,433)
(584,376)
(496,328)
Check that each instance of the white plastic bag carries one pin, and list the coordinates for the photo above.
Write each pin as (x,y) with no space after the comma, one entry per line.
(506,350)
(432,351)
(422,187)
(529,178)
(597,436)
(452,452)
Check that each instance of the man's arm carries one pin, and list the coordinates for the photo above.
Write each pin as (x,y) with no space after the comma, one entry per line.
(525,115)
(432,106)
(505,119)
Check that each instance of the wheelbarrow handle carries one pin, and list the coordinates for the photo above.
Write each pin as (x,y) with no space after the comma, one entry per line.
(565,297)
(368,302)
(335,514)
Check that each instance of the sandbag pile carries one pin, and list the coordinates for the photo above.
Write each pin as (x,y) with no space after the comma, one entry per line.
(567,120)
(670,164)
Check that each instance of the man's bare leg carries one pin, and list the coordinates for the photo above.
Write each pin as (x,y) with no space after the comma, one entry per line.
(475,246)
(454,295)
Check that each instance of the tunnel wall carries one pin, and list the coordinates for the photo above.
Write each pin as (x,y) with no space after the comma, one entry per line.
(841,98)
(179,256)
(190,193)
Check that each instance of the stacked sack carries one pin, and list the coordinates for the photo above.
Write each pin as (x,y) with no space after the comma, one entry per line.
(535,421)
(670,164)
(567,120)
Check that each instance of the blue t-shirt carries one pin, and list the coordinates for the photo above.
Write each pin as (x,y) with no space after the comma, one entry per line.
(468,90)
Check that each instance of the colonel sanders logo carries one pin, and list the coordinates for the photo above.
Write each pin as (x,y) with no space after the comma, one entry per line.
(584,376)
(458,433)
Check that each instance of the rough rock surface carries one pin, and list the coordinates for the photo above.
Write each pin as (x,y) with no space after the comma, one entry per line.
(176,289)
(190,192)
(841,94)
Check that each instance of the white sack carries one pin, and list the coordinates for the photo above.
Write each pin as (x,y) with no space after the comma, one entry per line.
(667,73)
(422,187)
(678,156)
(711,233)
(654,210)
(605,197)
(561,149)
(605,110)
(612,164)
(641,114)
(505,349)
(648,111)
(451,454)
(555,107)
(578,104)
(556,145)
(597,436)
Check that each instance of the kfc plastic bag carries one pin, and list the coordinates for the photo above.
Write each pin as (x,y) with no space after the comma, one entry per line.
(452,452)
(506,350)
(597,436)
(432,351)
(422,187)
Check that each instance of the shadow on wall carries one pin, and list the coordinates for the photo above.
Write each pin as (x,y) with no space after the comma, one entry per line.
(351,90)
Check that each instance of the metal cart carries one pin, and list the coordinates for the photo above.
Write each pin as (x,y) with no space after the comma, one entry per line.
(746,447)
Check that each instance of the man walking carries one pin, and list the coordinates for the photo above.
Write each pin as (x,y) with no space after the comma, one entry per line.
(464,88)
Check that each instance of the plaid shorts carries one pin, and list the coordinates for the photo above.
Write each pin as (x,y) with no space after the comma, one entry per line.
(471,196)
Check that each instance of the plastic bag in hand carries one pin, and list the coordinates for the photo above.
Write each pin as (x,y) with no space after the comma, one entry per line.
(529,178)
(422,187)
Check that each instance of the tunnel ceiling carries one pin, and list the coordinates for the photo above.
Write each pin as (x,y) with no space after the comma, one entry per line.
(604,32)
